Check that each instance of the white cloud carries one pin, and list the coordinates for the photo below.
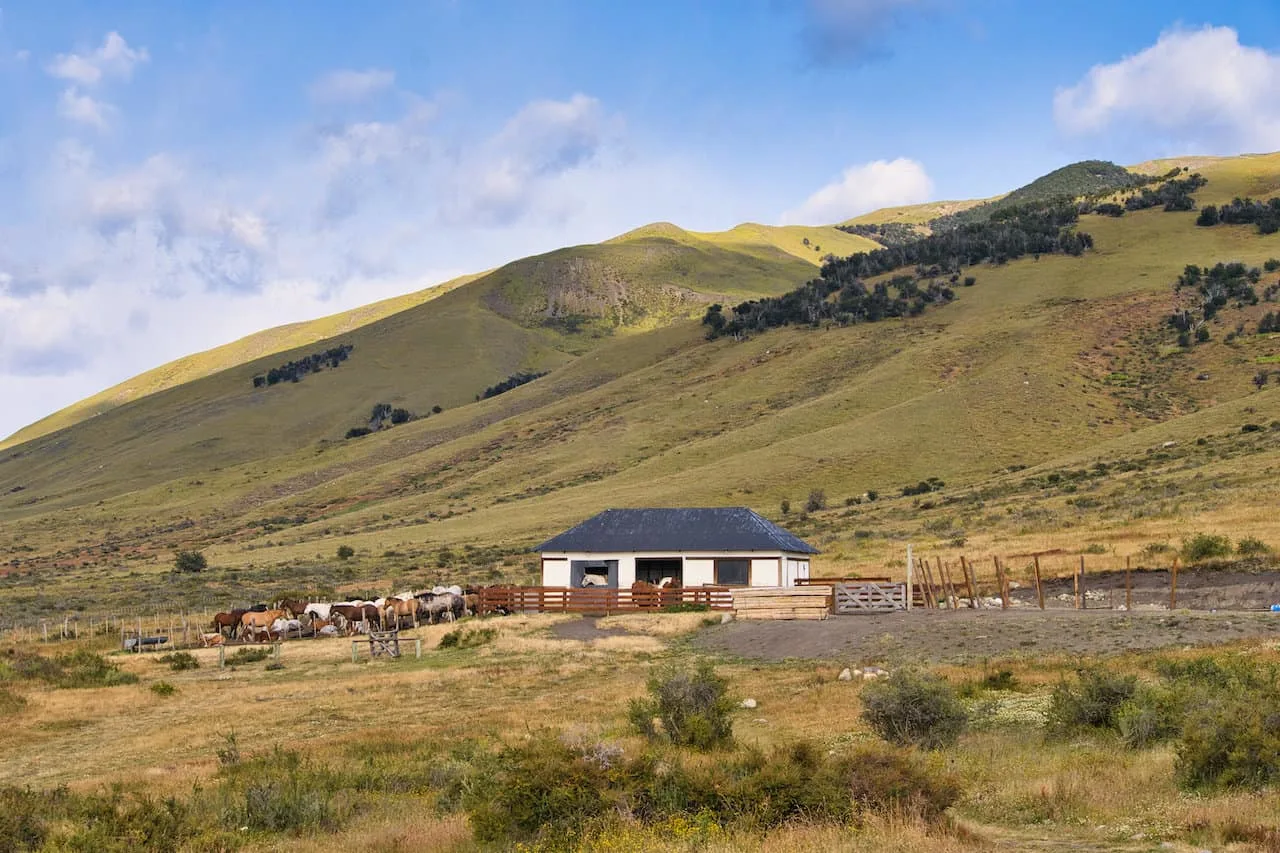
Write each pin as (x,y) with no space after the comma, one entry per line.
(76,106)
(114,59)
(1201,88)
(349,86)
(861,189)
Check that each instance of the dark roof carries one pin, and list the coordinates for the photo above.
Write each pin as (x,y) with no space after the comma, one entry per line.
(716,529)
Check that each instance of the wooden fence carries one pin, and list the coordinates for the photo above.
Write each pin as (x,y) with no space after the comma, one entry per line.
(598,599)
(870,597)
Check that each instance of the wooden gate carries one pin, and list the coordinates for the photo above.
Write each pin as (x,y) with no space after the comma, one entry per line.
(870,597)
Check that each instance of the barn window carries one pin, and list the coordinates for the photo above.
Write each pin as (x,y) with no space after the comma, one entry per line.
(733,572)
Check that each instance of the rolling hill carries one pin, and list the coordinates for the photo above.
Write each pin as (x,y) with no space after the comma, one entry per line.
(1046,366)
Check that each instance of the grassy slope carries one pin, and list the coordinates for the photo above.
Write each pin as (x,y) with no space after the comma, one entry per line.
(1015,373)
(252,347)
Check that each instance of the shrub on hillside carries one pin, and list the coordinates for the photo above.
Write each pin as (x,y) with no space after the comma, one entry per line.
(346,552)
(83,668)
(190,561)
(914,708)
(278,793)
(1093,702)
(817,501)
(468,638)
(1231,742)
(1152,715)
(692,706)
(244,655)
(1205,546)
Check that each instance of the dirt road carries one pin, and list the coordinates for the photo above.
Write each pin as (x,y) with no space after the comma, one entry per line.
(974,635)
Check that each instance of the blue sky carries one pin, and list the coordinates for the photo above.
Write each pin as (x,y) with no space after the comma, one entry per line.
(177,175)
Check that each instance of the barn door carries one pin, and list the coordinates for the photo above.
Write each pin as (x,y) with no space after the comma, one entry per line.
(579,568)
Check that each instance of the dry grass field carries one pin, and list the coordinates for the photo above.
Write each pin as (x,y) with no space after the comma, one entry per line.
(1022,788)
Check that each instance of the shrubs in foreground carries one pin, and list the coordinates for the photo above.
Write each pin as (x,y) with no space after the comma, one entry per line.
(1223,717)
(81,668)
(914,709)
(686,707)
(555,792)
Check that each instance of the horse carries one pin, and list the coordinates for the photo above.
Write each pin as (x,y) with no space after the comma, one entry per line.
(317,611)
(354,613)
(398,608)
(253,621)
(229,621)
(445,606)
(296,608)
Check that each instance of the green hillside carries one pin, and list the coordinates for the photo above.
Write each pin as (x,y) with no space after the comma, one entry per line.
(1045,365)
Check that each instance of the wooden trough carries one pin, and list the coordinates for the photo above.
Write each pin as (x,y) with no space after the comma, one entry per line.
(806,602)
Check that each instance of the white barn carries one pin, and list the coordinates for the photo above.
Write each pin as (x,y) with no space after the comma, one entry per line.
(727,546)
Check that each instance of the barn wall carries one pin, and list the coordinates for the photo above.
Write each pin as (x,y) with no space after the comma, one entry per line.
(699,572)
(699,567)
(764,572)
(555,572)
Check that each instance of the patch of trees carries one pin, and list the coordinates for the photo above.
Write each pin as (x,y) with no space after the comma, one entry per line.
(841,295)
(1244,211)
(1269,324)
(1216,286)
(384,416)
(515,380)
(889,234)
(924,487)
(293,371)
(1109,208)
(1088,179)
(1174,194)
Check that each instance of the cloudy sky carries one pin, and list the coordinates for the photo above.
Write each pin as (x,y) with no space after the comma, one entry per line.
(177,175)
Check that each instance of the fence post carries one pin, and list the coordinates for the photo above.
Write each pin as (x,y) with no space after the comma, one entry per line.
(222,656)
(417,647)
(1084,603)
(910,580)
(964,570)
(1039,585)
(1173,585)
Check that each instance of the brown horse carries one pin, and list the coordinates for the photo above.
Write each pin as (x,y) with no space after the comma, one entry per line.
(254,622)
(397,610)
(296,608)
(229,622)
(354,613)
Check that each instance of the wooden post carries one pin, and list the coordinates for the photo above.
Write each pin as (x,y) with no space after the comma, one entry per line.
(1128,583)
(1084,603)
(1075,587)
(222,656)
(931,598)
(1039,585)
(945,571)
(969,583)
(1001,581)
(417,647)
(911,592)
(354,653)
(1173,586)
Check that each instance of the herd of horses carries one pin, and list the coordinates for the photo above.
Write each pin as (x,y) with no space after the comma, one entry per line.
(263,623)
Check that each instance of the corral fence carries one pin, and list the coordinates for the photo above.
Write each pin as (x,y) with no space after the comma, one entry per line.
(869,597)
(598,600)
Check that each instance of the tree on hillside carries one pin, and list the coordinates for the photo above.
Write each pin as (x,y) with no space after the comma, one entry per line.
(189,561)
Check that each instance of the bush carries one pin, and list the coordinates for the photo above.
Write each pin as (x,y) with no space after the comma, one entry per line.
(693,707)
(243,655)
(817,500)
(1152,715)
(1231,743)
(914,708)
(1205,546)
(163,688)
(1252,547)
(278,793)
(179,661)
(785,506)
(1093,703)
(190,561)
(358,432)
(468,638)
(346,552)
(555,793)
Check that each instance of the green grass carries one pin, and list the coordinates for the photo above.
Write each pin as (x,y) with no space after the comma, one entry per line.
(1044,364)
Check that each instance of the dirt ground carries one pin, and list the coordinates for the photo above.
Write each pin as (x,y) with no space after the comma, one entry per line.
(1197,590)
(969,636)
